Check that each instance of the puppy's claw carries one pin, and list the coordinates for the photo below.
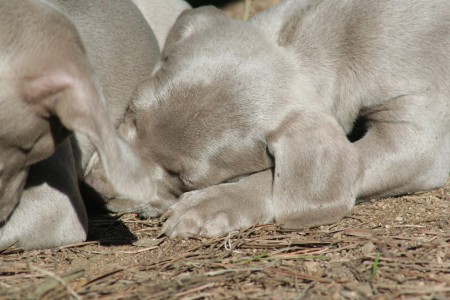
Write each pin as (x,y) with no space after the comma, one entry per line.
(192,223)
(184,226)
(162,233)
(166,214)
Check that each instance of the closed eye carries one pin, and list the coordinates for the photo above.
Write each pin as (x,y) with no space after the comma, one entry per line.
(187,184)
(172,173)
(237,178)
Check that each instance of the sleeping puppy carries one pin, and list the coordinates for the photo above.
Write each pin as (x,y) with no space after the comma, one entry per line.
(250,118)
(75,65)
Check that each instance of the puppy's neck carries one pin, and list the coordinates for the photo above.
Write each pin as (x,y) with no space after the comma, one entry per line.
(318,51)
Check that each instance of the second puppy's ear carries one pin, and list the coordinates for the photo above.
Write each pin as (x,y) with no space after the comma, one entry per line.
(193,20)
(317,171)
(74,96)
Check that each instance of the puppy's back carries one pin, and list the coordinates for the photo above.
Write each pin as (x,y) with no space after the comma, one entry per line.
(368,43)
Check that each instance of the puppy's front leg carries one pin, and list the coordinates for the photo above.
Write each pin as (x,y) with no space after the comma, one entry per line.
(222,208)
(407,146)
(317,170)
(315,180)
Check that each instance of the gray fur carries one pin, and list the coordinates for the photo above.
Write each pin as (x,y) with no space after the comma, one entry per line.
(74,64)
(250,118)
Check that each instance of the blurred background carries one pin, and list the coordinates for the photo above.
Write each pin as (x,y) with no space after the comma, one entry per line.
(235,8)
(197,3)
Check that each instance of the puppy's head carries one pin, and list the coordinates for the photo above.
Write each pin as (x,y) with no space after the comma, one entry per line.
(226,101)
(27,135)
(47,89)
(28,86)
(202,118)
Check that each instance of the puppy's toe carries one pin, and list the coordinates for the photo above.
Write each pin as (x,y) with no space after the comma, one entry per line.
(186,227)
(193,216)
(194,224)
(218,225)
(212,212)
(182,225)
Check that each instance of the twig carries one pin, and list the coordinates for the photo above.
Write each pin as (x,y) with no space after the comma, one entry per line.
(196,289)
(227,244)
(248,7)
(122,252)
(54,281)
(78,245)
(104,275)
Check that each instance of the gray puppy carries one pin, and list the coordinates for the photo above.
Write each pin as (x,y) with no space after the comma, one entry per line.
(251,117)
(59,61)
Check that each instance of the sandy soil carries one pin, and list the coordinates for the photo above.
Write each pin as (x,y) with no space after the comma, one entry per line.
(394,248)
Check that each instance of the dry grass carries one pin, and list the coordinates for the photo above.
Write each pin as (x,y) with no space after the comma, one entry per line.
(238,10)
(409,236)
(395,248)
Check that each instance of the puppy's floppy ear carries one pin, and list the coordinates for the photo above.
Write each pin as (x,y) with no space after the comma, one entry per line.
(76,99)
(317,171)
(193,20)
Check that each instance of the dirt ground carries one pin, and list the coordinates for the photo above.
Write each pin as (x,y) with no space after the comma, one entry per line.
(394,248)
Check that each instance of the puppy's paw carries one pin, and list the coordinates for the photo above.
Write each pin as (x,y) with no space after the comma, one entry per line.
(214,211)
(194,215)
